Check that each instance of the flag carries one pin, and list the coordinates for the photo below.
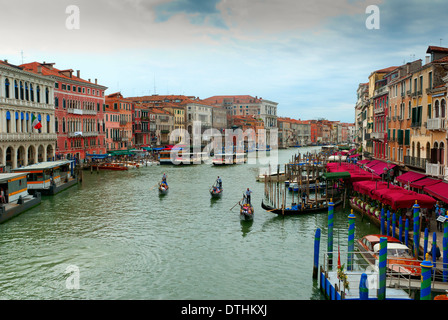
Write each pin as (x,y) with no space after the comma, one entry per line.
(36,123)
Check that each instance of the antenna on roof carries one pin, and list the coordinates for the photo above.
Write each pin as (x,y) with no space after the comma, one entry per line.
(441,41)
(21,52)
(155,84)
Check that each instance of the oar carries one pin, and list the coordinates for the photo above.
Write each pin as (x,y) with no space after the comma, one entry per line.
(154,186)
(236,204)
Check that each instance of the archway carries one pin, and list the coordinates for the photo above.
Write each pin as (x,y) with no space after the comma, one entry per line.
(40,154)
(21,156)
(50,152)
(31,155)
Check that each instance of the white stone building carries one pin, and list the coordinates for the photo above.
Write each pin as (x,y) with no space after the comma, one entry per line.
(23,95)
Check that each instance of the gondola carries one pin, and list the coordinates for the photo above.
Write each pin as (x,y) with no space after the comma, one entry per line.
(246,212)
(163,188)
(216,192)
(292,212)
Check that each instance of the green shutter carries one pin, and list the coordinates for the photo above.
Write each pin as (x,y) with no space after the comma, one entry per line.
(407,137)
(400,137)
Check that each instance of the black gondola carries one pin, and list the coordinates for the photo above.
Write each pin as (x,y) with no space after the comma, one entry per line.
(163,188)
(289,212)
(216,192)
(246,210)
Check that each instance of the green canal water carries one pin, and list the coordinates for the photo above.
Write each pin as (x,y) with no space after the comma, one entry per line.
(127,242)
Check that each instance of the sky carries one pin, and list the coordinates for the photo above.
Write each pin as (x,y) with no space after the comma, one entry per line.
(309,56)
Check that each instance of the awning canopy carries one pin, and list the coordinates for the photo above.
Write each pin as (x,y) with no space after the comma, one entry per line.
(438,190)
(407,199)
(336,175)
(420,184)
(365,161)
(97,156)
(378,168)
(410,177)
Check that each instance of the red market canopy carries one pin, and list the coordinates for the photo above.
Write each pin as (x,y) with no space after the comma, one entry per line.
(410,177)
(372,163)
(420,184)
(407,199)
(355,156)
(438,190)
(379,167)
(363,161)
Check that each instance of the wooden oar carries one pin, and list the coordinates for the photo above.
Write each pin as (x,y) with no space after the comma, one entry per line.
(154,186)
(236,204)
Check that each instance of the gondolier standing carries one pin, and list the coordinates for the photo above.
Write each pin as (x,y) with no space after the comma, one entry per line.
(219,182)
(248,192)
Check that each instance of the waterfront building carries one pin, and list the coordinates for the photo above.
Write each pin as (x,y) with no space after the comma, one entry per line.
(25,96)
(120,121)
(197,110)
(164,124)
(361,115)
(285,134)
(302,132)
(141,125)
(399,114)
(377,112)
(79,111)
(219,118)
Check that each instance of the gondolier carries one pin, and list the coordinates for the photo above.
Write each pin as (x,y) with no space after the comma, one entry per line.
(219,182)
(248,192)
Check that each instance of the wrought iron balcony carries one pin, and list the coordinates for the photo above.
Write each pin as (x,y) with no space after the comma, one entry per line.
(415,162)
(436,124)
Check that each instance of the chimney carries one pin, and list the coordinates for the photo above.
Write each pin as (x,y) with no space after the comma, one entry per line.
(95,81)
(428,59)
(78,74)
(6,60)
(39,69)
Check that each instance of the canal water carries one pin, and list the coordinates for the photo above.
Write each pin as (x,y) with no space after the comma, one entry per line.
(113,237)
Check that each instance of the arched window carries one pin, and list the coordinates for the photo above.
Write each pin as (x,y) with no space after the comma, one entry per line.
(63,125)
(436,109)
(27,93)
(442,108)
(47,96)
(21,91)
(8,122)
(7,88)
(56,125)
(31,92)
(16,90)
(38,94)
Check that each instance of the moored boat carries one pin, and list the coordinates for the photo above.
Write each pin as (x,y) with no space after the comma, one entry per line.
(298,209)
(400,260)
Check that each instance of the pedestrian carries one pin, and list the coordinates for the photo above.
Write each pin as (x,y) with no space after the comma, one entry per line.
(304,198)
(438,214)
(248,192)
(2,196)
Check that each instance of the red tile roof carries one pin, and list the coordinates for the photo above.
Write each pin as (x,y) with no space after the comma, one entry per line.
(436,49)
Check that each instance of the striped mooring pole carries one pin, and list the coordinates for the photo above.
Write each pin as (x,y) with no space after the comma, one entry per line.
(416,229)
(425,286)
(382,261)
(351,240)
(330,232)
(400,230)
(382,221)
(425,243)
(406,233)
(434,249)
(394,223)
(388,223)
(316,253)
(445,249)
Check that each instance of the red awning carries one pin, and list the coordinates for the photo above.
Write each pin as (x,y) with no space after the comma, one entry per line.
(438,190)
(372,163)
(420,184)
(363,161)
(407,199)
(379,167)
(410,177)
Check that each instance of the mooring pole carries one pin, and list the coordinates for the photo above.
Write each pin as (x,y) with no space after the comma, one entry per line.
(316,253)
(351,240)
(425,286)
(330,232)
(382,269)
(416,229)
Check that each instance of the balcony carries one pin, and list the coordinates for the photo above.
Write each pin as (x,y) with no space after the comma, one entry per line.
(81,111)
(379,110)
(415,162)
(436,124)
(435,170)
(17,137)
(377,136)
(83,134)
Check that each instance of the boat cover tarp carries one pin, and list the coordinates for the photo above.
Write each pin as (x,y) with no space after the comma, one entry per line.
(410,177)
(438,190)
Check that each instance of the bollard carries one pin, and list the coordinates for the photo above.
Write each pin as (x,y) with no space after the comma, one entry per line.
(316,253)
(406,233)
(330,232)
(425,286)
(351,240)
(382,261)
(363,290)
(382,221)
(393,225)
(425,243)
(388,223)
(400,224)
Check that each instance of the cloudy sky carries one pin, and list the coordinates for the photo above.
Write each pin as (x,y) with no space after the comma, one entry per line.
(307,55)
